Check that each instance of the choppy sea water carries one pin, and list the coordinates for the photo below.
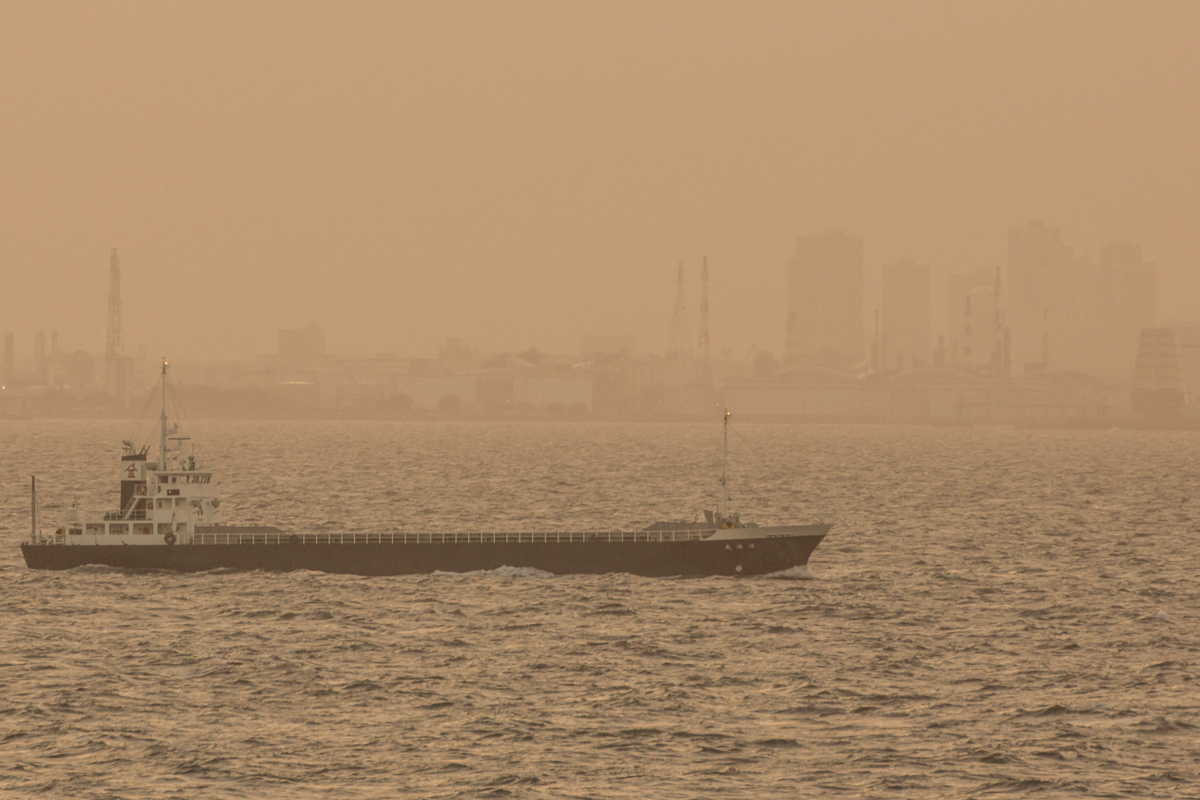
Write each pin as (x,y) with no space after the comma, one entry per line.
(998,611)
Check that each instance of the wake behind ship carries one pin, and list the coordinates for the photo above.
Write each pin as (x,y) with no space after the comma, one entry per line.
(169,518)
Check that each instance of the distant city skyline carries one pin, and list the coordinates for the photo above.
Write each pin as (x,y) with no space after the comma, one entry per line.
(1091,311)
(517,174)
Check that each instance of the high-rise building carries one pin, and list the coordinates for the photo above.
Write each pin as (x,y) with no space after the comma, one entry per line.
(1158,383)
(964,323)
(306,341)
(1044,312)
(979,341)
(1126,297)
(905,311)
(825,301)
(39,353)
(1187,338)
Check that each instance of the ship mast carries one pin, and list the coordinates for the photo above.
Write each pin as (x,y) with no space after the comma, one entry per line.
(162,443)
(33,516)
(725,471)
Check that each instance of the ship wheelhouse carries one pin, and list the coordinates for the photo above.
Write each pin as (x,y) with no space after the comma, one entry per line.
(162,502)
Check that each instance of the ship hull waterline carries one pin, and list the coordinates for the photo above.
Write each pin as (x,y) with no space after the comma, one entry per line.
(697,558)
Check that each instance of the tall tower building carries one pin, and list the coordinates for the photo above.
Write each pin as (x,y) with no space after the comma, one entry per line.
(1126,300)
(978,343)
(970,293)
(306,341)
(39,353)
(825,301)
(905,307)
(1043,299)
(1158,385)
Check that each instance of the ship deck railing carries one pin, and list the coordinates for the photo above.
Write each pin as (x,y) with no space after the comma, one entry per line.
(449,538)
(137,515)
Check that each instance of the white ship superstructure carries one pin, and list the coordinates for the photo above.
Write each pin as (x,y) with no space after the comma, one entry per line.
(162,502)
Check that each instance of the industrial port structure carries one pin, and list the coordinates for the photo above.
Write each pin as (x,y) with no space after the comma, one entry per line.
(1065,341)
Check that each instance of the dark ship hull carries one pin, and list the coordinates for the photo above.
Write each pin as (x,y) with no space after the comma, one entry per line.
(376,555)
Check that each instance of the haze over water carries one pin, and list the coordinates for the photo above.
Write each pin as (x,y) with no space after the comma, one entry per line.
(997,611)
(522,173)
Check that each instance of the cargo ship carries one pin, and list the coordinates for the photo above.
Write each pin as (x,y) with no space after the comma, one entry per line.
(169,518)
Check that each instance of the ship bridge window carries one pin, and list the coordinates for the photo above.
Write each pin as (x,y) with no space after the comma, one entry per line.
(162,478)
(143,529)
(118,528)
(75,530)
(94,528)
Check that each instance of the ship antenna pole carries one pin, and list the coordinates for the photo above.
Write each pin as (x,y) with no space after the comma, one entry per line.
(162,444)
(725,470)
(33,515)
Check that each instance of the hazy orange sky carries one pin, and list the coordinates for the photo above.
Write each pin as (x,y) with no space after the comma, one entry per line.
(518,173)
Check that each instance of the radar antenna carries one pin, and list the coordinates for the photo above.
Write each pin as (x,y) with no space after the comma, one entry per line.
(725,471)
